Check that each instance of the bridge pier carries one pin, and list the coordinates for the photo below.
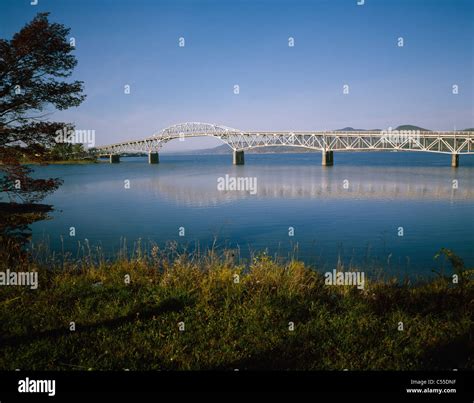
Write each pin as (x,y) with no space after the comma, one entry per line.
(114,158)
(328,158)
(153,158)
(454,160)
(238,157)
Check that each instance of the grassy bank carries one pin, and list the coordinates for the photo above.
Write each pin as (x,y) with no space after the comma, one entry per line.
(233,316)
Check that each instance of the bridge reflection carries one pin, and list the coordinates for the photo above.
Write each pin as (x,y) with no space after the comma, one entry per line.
(305,183)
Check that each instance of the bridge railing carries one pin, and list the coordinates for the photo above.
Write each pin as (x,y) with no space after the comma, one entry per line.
(428,141)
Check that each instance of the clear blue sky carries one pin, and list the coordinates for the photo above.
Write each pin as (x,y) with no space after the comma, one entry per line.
(337,42)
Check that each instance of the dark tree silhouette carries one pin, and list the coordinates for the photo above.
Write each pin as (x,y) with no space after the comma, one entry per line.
(33,67)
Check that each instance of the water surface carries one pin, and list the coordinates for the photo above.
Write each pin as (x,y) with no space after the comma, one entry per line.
(351,212)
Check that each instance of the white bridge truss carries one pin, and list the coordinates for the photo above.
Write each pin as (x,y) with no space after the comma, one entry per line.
(454,142)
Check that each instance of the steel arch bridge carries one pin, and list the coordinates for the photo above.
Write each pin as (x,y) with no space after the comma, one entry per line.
(454,142)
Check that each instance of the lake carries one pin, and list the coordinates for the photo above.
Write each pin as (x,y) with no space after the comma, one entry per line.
(385,210)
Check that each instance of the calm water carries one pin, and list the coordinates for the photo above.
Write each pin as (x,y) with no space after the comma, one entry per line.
(358,225)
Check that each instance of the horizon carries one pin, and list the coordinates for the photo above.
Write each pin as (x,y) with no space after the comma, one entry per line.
(280,87)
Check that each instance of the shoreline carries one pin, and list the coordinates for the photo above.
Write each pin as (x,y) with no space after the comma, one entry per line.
(212,313)
(60,162)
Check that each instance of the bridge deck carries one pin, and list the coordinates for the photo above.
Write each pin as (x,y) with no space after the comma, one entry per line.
(449,142)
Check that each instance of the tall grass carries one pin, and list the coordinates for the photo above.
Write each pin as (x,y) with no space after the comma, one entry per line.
(236,314)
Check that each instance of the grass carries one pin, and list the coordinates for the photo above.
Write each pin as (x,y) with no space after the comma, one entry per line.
(228,324)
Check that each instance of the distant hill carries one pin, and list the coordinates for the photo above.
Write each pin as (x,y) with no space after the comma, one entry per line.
(351,129)
(222,149)
(401,127)
(411,127)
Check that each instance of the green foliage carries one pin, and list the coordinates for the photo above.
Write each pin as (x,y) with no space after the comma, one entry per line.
(235,316)
(461,272)
(456,261)
(66,152)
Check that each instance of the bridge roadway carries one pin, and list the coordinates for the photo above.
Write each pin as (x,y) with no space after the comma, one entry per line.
(445,142)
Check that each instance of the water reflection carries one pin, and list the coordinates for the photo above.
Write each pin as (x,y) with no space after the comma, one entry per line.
(200,189)
(358,222)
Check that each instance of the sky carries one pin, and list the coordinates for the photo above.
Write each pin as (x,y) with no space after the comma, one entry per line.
(246,43)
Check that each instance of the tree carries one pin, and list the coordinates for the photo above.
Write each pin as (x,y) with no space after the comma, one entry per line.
(34,66)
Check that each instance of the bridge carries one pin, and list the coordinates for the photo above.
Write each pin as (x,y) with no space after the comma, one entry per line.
(446,142)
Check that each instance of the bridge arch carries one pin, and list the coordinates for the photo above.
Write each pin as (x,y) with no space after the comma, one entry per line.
(228,135)
(454,143)
(195,128)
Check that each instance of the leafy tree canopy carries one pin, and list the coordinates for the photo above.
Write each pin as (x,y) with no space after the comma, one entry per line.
(33,67)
